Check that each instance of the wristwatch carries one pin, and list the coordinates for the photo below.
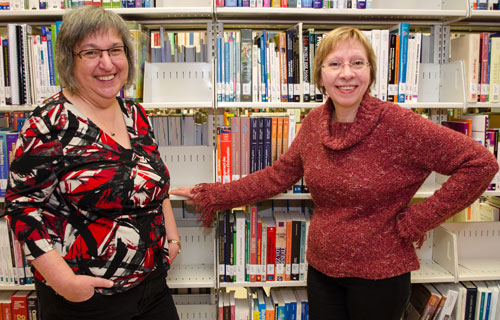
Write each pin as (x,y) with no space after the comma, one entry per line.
(177,242)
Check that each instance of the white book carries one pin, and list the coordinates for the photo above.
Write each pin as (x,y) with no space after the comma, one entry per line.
(495,295)
(13,64)
(483,295)
(450,291)
(376,45)
(418,46)
(2,74)
(384,65)
(242,309)
(410,69)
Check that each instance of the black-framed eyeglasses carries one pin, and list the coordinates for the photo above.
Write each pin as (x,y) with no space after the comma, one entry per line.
(92,54)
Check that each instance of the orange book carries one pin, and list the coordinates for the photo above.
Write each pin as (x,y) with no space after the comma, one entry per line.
(288,256)
(286,126)
(279,138)
(274,134)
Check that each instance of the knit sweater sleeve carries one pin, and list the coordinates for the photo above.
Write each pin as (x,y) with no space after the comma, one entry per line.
(258,186)
(469,165)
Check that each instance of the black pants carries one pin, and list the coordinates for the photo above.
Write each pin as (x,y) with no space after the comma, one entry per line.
(150,300)
(356,298)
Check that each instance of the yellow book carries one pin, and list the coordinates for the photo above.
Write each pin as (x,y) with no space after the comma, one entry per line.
(494,93)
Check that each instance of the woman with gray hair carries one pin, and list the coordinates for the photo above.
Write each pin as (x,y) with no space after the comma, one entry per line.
(88,192)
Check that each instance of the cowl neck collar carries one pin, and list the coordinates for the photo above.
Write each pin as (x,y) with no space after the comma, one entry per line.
(344,136)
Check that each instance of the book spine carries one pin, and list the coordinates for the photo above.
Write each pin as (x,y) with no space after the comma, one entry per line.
(246,65)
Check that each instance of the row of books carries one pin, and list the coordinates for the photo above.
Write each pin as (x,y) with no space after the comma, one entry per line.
(27,70)
(14,269)
(262,248)
(481,55)
(484,4)
(251,143)
(483,128)
(461,301)
(19,305)
(280,303)
(263,66)
(8,140)
(189,46)
(181,130)
(68,4)
(317,4)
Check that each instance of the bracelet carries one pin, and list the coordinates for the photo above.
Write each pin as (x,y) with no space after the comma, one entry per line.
(177,242)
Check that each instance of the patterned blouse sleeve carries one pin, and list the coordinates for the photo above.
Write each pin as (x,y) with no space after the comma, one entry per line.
(32,179)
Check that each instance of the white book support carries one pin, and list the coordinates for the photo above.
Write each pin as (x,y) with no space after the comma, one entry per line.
(194,266)
(178,82)
(442,82)
(478,253)
(188,165)
(438,258)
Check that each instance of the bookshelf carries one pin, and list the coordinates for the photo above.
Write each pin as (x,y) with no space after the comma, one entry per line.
(446,247)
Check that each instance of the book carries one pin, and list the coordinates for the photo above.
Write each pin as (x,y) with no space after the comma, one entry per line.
(6,304)
(449,291)
(470,301)
(33,313)
(235,148)
(425,299)
(20,304)
(246,64)
(494,72)
(270,225)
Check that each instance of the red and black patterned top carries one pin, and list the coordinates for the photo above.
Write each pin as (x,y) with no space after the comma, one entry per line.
(73,188)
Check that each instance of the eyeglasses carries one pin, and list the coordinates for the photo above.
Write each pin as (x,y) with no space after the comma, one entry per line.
(355,65)
(114,53)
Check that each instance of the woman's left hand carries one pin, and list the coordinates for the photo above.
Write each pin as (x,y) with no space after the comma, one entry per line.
(173,251)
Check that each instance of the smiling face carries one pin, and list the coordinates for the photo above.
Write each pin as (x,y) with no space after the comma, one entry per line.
(346,86)
(101,78)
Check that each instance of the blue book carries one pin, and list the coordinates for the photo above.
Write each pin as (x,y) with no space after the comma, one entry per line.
(254,141)
(263,66)
(227,87)
(220,61)
(260,143)
(4,165)
(231,3)
(267,142)
(289,64)
(403,30)
(48,35)
(306,3)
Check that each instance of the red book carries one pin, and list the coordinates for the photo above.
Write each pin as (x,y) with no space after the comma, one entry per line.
(225,154)
(20,304)
(6,305)
(253,243)
(271,247)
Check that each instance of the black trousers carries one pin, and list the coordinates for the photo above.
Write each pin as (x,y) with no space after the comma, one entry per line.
(356,298)
(150,300)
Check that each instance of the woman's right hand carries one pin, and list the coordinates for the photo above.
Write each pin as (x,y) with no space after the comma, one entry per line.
(59,276)
(81,288)
(186,192)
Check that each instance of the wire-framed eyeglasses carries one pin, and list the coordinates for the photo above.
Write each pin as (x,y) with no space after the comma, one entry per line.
(114,53)
(335,66)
